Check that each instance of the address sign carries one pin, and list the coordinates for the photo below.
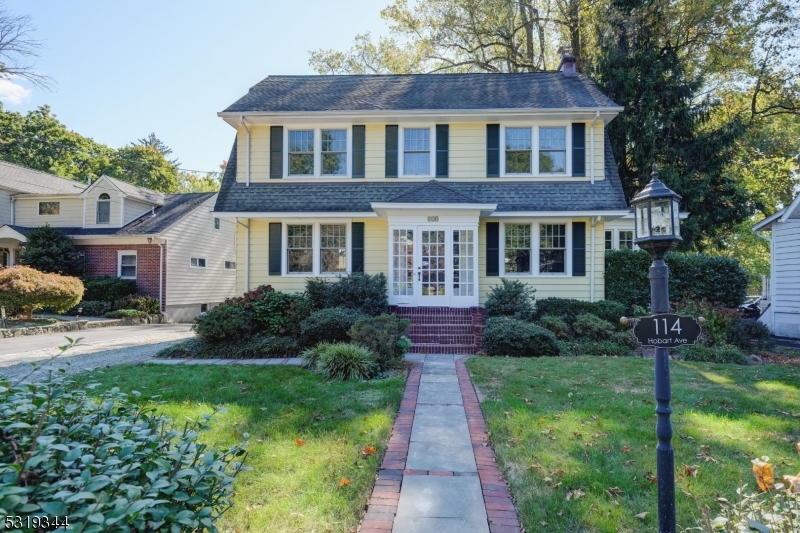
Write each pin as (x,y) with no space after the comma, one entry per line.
(667,330)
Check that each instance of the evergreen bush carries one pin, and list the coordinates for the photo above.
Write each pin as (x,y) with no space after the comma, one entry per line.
(517,338)
(568,309)
(593,328)
(329,325)
(511,298)
(107,288)
(91,308)
(126,313)
(603,348)
(224,323)
(749,333)
(359,291)
(384,336)
(280,313)
(49,249)
(252,347)
(714,354)
(139,302)
(559,328)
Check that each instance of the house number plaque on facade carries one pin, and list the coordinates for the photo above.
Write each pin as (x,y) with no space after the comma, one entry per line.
(667,330)
(434,218)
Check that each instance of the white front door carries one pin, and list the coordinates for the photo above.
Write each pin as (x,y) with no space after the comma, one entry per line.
(433,266)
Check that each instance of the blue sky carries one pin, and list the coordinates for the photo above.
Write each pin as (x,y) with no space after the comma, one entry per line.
(125,69)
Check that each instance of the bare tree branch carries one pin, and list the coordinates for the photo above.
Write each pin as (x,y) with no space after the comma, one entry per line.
(18,47)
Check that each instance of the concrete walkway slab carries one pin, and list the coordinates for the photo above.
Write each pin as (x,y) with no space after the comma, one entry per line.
(439,525)
(441,456)
(441,497)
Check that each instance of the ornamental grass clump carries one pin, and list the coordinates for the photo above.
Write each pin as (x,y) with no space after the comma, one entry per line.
(347,362)
(109,462)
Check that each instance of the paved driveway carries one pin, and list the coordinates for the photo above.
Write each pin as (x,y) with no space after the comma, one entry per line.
(97,348)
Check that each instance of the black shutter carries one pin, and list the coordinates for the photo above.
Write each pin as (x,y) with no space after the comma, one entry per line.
(275,235)
(357,234)
(493,151)
(579,248)
(391,151)
(276,152)
(359,150)
(578,149)
(442,150)
(492,248)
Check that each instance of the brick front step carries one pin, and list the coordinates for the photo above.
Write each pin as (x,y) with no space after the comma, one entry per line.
(445,330)
(444,348)
(442,339)
(442,329)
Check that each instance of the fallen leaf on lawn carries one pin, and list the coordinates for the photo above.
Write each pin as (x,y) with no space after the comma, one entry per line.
(508,415)
(319,418)
(793,482)
(690,471)
(549,391)
(765,476)
(287,415)
(541,421)
(629,462)
(574,494)
(548,479)
(343,482)
(264,408)
(560,513)
(641,516)
(300,442)
(651,478)
(626,449)
(556,486)
(614,491)
(369,450)
(797,445)
(362,432)
(513,441)
(536,465)
(706,457)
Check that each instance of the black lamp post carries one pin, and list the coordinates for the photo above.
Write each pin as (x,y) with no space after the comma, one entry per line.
(658,232)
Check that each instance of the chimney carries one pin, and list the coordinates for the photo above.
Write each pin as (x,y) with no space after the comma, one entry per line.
(568,63)
(88,180)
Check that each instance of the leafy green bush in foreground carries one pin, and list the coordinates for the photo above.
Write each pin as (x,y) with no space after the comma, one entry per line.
(516,338)
(111,464)
(714,354)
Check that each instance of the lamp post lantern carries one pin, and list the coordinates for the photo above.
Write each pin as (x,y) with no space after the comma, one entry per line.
(658,232)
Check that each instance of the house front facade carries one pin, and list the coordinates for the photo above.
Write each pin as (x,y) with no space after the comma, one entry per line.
(169,243)
(445,183)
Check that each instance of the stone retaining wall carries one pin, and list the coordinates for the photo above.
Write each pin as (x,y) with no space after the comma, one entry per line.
(76,325)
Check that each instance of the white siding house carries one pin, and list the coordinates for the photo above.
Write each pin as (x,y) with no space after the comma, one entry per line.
(783,315)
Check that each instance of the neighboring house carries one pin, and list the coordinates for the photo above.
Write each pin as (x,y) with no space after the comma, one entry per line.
(783,314)
(171,244)
(444,182)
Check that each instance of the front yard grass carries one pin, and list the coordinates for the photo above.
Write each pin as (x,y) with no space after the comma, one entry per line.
(306,434)
(562,427)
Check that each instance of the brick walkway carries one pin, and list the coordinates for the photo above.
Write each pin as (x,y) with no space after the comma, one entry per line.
(439,474)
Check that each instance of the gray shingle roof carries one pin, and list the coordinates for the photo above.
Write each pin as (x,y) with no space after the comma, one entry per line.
(23,180)
(138,193)
(356,196)
(539,90)
(175,207)
(433,192)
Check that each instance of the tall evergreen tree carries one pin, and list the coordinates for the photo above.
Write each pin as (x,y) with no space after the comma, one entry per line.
(50,250)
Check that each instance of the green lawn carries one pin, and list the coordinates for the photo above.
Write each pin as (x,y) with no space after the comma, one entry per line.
(587,424)
(294,485)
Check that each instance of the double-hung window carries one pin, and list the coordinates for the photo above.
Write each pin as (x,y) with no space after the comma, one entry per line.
(518,248)
(126,264)
(552,248)
(609,235)
(300,249)
(301,152)
(104,209)
(626,239)
(552,150)
(518,150)
(316,248)
(333,248)
(416,151)
(334,152)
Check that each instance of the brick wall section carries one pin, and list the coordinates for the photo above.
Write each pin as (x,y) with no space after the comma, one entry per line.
(101,260)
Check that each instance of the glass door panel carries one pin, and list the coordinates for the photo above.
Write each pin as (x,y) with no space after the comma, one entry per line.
(463,262)
(433,262)
(403,262)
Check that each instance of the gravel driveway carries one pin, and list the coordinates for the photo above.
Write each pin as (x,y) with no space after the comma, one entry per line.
(99,348)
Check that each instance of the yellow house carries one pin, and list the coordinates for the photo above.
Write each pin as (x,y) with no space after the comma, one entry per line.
(444,182)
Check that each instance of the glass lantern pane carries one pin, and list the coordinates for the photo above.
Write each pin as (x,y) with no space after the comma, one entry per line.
(661,213)
(642,221)
(676,221)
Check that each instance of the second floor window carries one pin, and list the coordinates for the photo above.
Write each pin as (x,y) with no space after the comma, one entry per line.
(301,152)
(49,208)
(552,150)
(334,152)
(518,150)
(416,151)
(104,209)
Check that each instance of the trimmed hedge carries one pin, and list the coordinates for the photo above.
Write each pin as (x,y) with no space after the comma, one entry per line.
(714,354)
(516,338)
(27,288)
(568,309)
(91,308)
(139,302)
(514,299)
(359,291)
(280,313)
(108,289)
(254,347)
(329,325)
(126,313)
(226,322)
(592,327)
(385,336)
(698,276)
(605,348)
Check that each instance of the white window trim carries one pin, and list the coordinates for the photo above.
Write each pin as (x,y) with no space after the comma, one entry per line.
(225,263)
(97,209)
(401,144)
(39,208)
(318,150)
(535,150)
(198,262)
(120,253)
(535,247)
(316,243)
(615,238)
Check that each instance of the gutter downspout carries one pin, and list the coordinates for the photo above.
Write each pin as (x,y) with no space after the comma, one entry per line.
(247,151)
(591,158)
(161,243)
(84,211)
(595,221)
(246,254)
(13,208)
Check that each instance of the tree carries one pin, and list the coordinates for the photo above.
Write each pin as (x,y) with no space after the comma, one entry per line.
(17,46)
(26,288)
(50,250)
(154,142)
(192,182)
(144,166)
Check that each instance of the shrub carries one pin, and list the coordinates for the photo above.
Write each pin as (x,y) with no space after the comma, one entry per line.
(516,338)
(29,289)
(226,322)
(749,333)
(359,291)
(697,276)
(126,313)
(719,319)
(108,289)
(556,325)
(311,355)
(114,469)
(604,348)
(625,338)
(91,308)
(50,250)
(774,511)
(255,347)
(713,354)
(280,313)
(383,335)
(329,325)
(568,309)
(592,327)
(140,302)
(513,299)
(347,362)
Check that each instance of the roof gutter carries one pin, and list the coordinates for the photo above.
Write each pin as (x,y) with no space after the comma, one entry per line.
(390,113)
(293,214)
(246,151)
